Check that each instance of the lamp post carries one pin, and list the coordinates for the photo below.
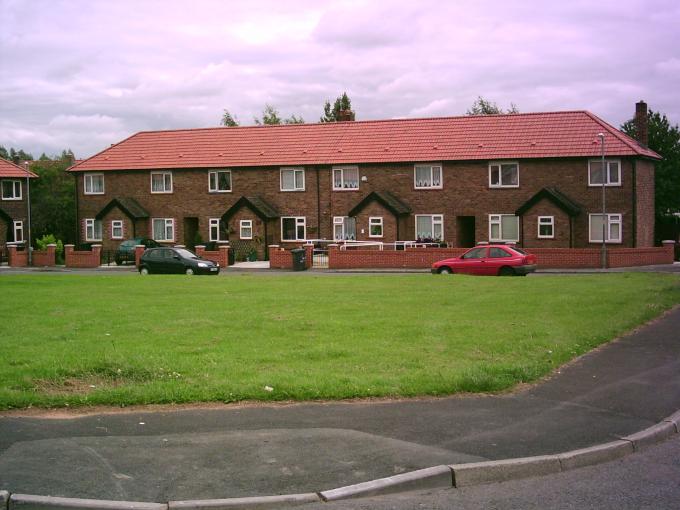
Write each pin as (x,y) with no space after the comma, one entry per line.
(28,207)
(604,203)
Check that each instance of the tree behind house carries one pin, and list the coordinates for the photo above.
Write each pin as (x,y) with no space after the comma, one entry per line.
(485,107)
(332,113)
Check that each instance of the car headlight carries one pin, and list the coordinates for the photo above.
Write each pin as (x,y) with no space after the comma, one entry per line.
(202,264)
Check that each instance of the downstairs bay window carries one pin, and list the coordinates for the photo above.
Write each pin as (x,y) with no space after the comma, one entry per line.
(503,227)
(293,228)
(163,229)
(611,227)
(430,227)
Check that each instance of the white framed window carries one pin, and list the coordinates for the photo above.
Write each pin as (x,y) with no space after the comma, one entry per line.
(94,184)
(217,231)
(246,229)
(18,228)
(503,174)
(345,178)
(344,228)
(293,228)
(612,172)
(161,182)
(163,229)
(430,227)
(612,228)
(219,181)
(503,227)
(117,229)
(93,230)
(292,179)
(546,227)
(427,176)
(375,226)
(11,190)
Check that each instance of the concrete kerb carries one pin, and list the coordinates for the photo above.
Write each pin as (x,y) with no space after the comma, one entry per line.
(455,475)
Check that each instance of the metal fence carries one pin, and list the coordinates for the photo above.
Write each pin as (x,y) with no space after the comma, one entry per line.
(114,257)
(4,258)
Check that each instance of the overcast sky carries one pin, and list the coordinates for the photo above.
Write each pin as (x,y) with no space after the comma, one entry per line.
(83,74)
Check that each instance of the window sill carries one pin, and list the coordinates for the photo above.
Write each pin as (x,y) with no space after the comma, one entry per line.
(606,185)
(291,190)
(161,192)
(429,188)
(218,191)
(511,186)
(345,189)
(12,199)
(91,193)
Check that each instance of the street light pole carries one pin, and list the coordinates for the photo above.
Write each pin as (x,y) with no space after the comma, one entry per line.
(604,203)
(28,206)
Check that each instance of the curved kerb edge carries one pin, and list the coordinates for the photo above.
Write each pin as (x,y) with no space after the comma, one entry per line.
(454,475)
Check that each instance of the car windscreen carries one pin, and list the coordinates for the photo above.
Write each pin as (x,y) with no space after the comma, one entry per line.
(185,254)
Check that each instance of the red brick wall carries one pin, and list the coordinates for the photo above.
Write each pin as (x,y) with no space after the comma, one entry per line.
(220,256)
(82,259)
(281,258)
(415,258)
(45,258)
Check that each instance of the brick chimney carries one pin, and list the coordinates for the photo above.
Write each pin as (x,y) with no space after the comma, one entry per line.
(641,123)
(345,115)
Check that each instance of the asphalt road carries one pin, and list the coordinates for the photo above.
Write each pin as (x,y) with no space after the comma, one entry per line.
(645,480)
(263,450)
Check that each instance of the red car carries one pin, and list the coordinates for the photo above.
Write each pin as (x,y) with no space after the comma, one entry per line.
(490,260)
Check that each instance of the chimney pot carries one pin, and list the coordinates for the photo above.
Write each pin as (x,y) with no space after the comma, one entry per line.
(345,115)
(641,123)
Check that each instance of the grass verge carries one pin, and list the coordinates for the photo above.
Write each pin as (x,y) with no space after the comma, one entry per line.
(124,339)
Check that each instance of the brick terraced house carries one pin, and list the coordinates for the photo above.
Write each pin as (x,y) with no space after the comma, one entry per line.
(13,203)
(533,178)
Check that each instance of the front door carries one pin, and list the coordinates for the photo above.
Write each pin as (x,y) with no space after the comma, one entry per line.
(191,235)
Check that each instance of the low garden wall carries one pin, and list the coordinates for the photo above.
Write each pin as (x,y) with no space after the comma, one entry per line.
(16,257)
(548,258)
(281,258)
(82,258)
(39,258)
(219,256)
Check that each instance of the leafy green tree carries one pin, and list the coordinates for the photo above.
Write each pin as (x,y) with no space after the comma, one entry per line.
(294,120)
(484,107)
(229,120)
(271,117)
(3,153)
(15,156)
(53,198)
(332,113)
(664,138)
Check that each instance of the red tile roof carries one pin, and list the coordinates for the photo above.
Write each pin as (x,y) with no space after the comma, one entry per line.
(518,136)
(9,169)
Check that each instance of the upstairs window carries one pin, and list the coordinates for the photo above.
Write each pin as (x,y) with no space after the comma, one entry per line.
(94,184)
(430,227)
(293,228)
(503,227)
(427,177)
(375,226)
(117,229)
(345,178)
(219,181)
(292,179)
(93,230)
(611,227)
(163,229)
(503,175)
(344,228)
(11,190)
(612,173)
(161,182)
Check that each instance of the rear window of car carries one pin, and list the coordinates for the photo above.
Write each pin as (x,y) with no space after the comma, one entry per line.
(520,251)
(497,253)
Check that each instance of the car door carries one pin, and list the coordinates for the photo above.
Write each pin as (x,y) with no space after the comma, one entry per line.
(498,257)
(472,261)
(173,262)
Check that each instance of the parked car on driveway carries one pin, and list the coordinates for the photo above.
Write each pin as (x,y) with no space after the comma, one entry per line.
(126,249)
(175,261)
(490,260)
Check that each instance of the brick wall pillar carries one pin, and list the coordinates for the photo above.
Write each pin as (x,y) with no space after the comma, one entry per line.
(309,255)
(16,258)
(670,250)
(68,254)
(96,255)
(223,250)
(139,251)
(200,250)
(333,250)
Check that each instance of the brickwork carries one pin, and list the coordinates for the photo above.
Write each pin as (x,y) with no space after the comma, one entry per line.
(373,258)
(16,210)
(45,258)
(561,227)
(82,259)
(465,192)
(219,256)
(16,257)
(243,246)
(280,258)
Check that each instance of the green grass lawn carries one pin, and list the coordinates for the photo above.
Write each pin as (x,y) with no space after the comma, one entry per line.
(125,339)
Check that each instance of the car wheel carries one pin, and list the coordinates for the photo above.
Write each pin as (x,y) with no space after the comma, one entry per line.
(506,271)
(119,261)
(189,271)
(445,270)
(144,271)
